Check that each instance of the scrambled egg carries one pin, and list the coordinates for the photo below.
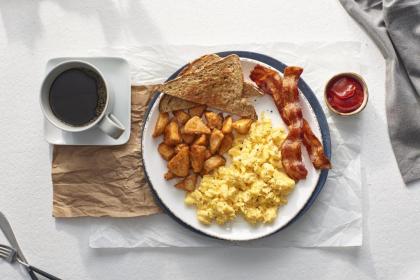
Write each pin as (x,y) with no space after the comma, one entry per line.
(253,185)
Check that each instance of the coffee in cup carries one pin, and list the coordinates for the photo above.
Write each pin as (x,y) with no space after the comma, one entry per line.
(75,97)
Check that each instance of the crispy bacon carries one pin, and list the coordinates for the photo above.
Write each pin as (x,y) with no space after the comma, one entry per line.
(286,97)
(314,147)
(285,94)
(291,152)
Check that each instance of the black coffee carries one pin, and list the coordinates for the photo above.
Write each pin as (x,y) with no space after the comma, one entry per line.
(77,96)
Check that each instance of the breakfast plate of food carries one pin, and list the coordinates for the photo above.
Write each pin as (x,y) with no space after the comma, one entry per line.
(235,145)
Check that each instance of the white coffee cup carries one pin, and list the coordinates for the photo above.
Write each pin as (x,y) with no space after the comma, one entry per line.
(106,121)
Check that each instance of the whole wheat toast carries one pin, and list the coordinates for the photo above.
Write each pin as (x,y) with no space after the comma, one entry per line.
(170,103)
(233,103)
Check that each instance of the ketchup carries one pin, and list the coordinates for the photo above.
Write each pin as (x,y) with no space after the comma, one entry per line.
(345,94)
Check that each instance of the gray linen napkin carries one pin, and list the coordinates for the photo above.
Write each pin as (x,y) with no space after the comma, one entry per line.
(394,25)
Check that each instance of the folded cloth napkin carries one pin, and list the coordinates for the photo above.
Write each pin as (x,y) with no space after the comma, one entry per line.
(394,25)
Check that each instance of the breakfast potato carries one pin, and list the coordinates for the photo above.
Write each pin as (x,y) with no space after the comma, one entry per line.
(214,120)
(160,125)
(208,154)
(188,138)
(172,136)
(195,125)
(181,117)
(181,146)
(216,138)
(167,152)
(227,125)
(179,165)
(242,126)
(226,144)
(201,140)
(169,175)
(197,110)
(213,162)
(188,183)
(197,156)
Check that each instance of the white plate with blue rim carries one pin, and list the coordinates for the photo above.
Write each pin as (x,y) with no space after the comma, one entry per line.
(303,196)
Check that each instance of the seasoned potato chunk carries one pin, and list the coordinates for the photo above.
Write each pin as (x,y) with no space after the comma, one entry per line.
(188,183)
(197,156)
(169,175)
(180,163)
(181,146)
(227,125)
(216,138)
(167,152)
(213,162)
(226,144)
(188,138)
(242,126)
(172,136)
(208,154)
(195,125)
(181,117)
(214,120)
(201,140)
(160,125)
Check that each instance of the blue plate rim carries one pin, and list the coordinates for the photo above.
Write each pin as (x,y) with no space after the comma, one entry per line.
(317,109)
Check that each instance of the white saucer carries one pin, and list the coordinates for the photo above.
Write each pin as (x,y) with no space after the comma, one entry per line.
(116,71)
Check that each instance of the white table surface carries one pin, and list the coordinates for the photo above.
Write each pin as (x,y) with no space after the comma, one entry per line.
(33,31)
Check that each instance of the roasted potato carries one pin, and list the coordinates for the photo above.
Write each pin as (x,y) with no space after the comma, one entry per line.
(197,157)
(167,152)
(169,175)
(172,136)
(208,154)
(197,110)
(188,138)
(160,125)
(213,162)
(181,146)
(227,125)
(242,126)
(216,138)
(179,164)
(226,144)
(195,125)
(181,117)
(214,120)
(188,183)
(201,140)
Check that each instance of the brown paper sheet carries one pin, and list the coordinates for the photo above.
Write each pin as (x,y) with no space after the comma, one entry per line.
(104,181)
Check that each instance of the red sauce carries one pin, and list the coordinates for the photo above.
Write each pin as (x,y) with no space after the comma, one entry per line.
(345,94)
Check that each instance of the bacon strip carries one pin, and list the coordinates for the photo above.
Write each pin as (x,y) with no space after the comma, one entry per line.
(314,147)
(270,82)
(286,97)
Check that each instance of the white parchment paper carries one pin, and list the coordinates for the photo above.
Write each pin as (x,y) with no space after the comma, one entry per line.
(334,220)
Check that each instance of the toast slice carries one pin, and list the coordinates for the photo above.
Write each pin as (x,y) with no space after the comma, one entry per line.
(251,91)
(200,63)
(171,103)
(217,85)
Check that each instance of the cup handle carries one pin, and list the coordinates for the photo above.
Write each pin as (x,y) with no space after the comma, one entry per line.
(111,126)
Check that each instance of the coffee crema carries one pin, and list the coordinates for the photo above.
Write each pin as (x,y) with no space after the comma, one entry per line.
(77,96)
